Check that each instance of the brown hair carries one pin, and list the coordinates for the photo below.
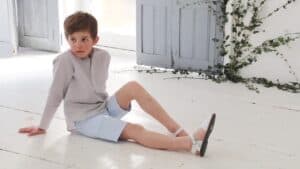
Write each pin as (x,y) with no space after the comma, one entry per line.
(81,21)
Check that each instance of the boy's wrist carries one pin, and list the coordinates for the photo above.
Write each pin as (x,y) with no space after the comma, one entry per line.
(41,128)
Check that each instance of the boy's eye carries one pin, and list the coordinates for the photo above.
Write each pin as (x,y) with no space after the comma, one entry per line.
(73,40)
(84,39)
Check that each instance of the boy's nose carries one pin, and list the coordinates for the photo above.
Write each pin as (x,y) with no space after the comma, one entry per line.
(78,44)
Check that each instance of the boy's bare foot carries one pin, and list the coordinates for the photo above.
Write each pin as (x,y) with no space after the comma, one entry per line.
(199,134)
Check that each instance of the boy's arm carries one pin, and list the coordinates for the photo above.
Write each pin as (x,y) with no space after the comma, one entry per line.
(62,74)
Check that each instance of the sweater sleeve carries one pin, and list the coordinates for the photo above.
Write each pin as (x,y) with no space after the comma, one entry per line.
(100,70)
(62,75)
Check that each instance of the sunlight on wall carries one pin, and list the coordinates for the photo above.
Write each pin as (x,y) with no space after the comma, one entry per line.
(116,16)
(116,20)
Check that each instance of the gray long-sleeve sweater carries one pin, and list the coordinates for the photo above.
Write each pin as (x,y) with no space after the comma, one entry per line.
(81,83)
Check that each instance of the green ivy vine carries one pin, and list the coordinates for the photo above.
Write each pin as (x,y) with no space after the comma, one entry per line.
(242,53)
(237,46)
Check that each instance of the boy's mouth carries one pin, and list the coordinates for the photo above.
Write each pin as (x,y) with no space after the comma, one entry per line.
(80,51)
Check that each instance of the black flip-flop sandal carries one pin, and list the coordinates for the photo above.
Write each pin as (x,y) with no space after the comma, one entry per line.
(207,134)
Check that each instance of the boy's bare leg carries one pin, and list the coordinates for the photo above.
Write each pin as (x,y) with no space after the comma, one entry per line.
(155,140)
(134,91)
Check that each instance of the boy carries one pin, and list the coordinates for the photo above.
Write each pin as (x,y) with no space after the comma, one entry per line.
(79,78)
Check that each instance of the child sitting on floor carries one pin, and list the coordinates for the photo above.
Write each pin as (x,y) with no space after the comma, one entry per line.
(79,78)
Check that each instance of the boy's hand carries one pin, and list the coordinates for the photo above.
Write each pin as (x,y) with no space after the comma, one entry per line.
(32,130)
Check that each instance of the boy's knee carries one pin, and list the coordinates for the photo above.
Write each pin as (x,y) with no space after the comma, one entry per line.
(137,128)
(134,85)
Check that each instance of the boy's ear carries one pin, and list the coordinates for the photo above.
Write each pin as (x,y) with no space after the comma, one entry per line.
(96,40)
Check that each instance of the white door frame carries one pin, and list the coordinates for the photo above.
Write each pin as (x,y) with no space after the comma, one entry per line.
(8,31)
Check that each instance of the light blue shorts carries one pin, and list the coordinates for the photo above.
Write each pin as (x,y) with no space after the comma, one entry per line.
(106,125)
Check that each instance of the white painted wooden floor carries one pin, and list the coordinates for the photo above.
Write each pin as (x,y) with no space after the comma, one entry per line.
(252,130)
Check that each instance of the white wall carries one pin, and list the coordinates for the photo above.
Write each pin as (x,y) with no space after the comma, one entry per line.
(270,65)
(116,20)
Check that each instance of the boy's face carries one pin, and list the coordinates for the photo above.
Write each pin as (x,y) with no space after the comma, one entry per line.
(81,43)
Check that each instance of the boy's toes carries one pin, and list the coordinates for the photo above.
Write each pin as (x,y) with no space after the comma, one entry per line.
(199,134)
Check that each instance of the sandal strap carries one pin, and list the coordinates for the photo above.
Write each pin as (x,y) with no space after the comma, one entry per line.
(196,146)
(204,124)
(178,131)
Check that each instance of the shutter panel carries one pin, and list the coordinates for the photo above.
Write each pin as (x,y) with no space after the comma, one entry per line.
(39,24)
(153,33)
(8,31)
(172,35)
